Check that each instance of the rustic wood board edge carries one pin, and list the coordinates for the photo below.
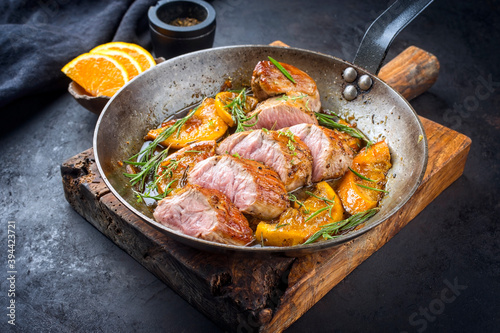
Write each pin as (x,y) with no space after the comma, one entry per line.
(219,286)
(229,289)
(448,151)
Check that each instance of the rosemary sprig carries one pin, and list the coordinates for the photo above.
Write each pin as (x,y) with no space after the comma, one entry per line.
(148,161)
(146,168)
(328,202)
(236,108)
(361,176)
(330,230)
(288,134)
(282,69)
(148,195)
(372,188)
(152,187)
(291,139)
(331,113)
(293,198)
(319,211)
(329,121)
(167,172)
(293,98)
(148,152)
(278,226)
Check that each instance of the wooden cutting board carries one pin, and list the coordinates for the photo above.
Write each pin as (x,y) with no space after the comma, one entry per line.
(256,294)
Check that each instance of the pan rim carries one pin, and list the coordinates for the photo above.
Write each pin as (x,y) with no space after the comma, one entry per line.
(266,250)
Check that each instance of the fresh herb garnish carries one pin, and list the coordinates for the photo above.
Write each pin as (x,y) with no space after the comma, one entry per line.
(288,134)
(152,193)
(147,153)
(329,121)
(151,189)
(330,230)
(291,139)
(293,98)
(328,202)
(236,108)
(293,198)
(146,168)
(361,176)
(148,161)
(282,69)
(319,211)
(372,188)
(281,226)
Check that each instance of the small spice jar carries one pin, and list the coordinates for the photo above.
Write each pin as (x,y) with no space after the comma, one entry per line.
(181,26)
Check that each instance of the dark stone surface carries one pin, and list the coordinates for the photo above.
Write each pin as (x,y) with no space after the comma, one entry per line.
(70,278)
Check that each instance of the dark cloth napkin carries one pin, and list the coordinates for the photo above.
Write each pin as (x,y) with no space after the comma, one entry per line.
(38,37)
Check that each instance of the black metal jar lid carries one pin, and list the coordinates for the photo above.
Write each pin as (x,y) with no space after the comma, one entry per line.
(166,11)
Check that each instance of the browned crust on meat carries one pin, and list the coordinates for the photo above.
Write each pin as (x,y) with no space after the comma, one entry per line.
(297,156)
(342,140)
(233,226)
(268,80)
(188,157)
(290,105)
(270,189)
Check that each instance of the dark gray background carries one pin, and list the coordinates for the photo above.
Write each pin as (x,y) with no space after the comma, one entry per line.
(72,279)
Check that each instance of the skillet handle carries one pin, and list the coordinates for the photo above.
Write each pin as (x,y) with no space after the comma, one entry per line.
(379,36)
(411,73)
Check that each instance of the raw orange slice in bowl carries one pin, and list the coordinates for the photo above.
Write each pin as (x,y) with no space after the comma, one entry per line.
(143,57)
(131,65)
(98,74)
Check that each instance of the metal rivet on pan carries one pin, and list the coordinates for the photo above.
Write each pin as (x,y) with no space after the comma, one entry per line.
(350,92)
(365,82)
(349,74)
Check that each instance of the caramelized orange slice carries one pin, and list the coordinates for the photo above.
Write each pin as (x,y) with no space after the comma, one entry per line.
(297,224)
(372,163)
(204,125)
(222,101)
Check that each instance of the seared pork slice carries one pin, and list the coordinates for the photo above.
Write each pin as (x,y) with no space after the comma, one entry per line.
(204,213)
(253,187)
(269,81)
(284,111)
(281,151)
(330,150)
(173,168)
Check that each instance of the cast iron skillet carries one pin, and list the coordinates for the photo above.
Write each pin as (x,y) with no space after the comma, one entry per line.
(172,86)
